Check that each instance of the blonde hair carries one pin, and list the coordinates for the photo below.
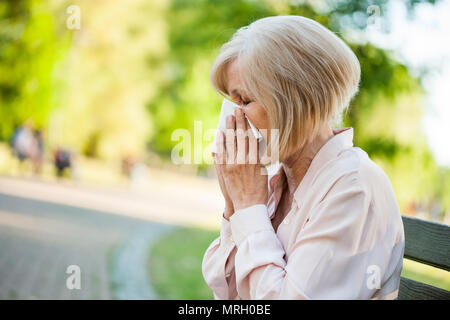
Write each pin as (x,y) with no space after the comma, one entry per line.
(302,74)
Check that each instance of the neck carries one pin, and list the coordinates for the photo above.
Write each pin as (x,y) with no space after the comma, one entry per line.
(297,164)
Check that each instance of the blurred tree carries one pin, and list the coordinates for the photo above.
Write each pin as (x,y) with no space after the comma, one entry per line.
(87,86)
(444,191)
(107,82)
(30,48)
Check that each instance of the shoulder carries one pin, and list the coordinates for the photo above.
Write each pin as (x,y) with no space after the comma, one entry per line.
(353,169)
(355,183)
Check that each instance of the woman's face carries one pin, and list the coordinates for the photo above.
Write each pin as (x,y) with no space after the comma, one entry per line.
(252,109)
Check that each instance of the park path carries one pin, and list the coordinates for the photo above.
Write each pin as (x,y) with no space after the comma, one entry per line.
(46,227)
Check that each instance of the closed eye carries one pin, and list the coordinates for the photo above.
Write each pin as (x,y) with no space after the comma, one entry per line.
(241,101)
(245,102)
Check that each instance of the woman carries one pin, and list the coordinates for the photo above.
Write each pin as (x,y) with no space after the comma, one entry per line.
(327,224)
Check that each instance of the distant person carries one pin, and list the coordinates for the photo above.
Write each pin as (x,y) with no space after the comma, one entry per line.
(128,162)
(38,156)
(62,160)
(24,143)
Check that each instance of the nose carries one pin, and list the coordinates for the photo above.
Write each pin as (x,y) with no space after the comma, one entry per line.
(255,131)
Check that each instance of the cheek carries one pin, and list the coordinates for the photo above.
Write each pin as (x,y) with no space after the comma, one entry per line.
(257,116)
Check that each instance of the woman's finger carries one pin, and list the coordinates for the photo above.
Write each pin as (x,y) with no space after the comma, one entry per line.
(247,147)
(241,132)
(220,157)
(230,140)
(253,149)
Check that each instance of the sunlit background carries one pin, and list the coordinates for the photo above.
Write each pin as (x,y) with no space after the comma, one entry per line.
(91,93)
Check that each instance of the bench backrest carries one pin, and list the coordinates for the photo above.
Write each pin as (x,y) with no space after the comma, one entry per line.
(429,243)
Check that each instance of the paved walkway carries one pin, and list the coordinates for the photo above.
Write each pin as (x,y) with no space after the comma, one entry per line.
(167,198)
(46,227)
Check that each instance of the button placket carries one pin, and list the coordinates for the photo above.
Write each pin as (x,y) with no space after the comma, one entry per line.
(287,219)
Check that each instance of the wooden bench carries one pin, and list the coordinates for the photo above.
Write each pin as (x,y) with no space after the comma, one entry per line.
(425,242)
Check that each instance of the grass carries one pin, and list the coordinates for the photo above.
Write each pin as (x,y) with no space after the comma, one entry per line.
(175,266)
(426,274)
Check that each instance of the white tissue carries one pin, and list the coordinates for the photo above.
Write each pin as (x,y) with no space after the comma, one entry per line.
(228,109)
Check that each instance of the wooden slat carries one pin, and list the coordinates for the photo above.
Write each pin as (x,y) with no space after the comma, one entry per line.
(427,242)
(413,290)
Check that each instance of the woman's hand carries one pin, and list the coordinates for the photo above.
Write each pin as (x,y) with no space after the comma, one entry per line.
(229,208)
(244,177)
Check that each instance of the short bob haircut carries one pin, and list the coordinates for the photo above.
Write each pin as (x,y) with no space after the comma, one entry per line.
(302,74)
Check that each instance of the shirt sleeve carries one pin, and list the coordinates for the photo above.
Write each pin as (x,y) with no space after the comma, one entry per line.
(218,264)
(329,258)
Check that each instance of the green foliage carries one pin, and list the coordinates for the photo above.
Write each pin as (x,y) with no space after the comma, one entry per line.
(30,48)
(107,80)
(444,188)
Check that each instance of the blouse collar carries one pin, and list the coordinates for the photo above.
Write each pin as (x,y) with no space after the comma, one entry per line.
(342,139)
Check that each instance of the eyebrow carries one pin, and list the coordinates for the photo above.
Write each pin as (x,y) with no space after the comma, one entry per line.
(237,92)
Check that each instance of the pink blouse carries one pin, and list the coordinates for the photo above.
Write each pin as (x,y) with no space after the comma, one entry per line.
(342,239)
